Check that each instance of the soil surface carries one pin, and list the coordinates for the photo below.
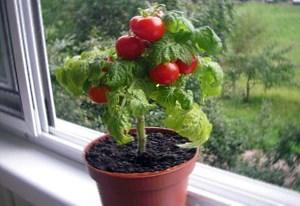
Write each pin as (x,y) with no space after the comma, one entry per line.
(162,153)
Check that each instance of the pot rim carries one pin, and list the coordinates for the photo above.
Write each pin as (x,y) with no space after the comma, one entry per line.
(137,174)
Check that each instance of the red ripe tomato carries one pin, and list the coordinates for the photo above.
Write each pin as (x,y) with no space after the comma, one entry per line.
(134,20)
(129,47)
(187,69)
(98,94)
(165,74)
(150,28)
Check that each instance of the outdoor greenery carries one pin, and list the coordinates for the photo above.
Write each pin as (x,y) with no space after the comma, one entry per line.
(258,137)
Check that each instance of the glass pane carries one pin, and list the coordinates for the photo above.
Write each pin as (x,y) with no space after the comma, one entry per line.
(10,101)
(7,79)
(256,120)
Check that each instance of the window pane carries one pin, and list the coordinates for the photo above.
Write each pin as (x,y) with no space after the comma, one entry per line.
(256,120)
(10,101)
(7,75)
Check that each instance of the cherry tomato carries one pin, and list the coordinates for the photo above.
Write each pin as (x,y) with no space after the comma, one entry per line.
(165,74)
(187,69)
(129,47)
(134,20)
(150,28)
(98,94)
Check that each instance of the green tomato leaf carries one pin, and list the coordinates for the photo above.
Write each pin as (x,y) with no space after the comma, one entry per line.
(192,124)
(210,76)
(98,62)
(117,117)
(122,73)
(167,50)
(137,102)
(122,104)
(80,72)
(73,75)
(176,22)
(118,125)
(206,39)
(185,98)
(168,97)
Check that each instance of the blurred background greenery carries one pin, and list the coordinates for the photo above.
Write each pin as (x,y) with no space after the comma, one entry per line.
(256,120)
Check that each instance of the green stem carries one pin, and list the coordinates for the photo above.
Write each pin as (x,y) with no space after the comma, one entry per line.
(141,136)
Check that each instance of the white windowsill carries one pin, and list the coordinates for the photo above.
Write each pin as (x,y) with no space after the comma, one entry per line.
(45,178)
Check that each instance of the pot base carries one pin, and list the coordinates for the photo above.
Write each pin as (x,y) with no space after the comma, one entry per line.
(150,198)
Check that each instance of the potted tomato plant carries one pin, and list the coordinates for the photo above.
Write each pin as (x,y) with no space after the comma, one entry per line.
(148,67)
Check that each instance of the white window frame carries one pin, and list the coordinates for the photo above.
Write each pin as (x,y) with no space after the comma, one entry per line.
(69,139)
(29,124)
(31,60)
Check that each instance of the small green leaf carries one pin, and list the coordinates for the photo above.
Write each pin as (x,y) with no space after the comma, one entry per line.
(122,73)
(206,39)
(73,75)
(122,104)
(118,125)
(192,124)
(176,22)
(210,76)
(185,98)
(138,103)
(167,50)
(117,117)
(168,97)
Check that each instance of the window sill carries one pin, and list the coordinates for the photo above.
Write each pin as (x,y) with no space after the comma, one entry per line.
(43,177)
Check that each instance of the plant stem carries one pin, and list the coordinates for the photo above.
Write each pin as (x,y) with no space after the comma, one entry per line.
(141,136)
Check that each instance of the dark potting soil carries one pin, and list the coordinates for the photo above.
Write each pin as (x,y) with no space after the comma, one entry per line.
(162,152)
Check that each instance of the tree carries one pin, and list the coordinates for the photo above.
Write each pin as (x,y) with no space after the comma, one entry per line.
(215,13)
(250,57)
(275,67)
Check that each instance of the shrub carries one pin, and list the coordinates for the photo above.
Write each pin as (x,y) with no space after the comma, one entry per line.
(229,138)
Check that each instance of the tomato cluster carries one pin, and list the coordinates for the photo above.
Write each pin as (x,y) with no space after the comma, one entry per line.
(144,30)
(168,73)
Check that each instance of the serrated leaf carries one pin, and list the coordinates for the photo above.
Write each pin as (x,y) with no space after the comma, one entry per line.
(210,76)
(138,103)
(117,117)
(73,75)
(122,73)
(176,22)
(118,125)
(82,71)
(207,40)
(168,97)
(122,104)
(185,37)
(192,124)
(185,98)
(168,50)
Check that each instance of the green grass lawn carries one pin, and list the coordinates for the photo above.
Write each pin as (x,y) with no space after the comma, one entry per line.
(283,22)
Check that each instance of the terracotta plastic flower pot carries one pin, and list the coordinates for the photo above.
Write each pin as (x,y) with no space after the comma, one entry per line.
(162,188)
